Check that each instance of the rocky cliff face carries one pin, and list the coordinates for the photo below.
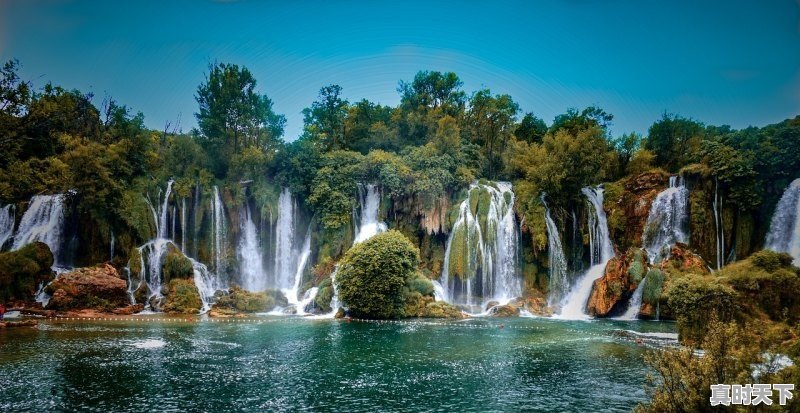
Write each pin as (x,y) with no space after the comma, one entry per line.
(627,204)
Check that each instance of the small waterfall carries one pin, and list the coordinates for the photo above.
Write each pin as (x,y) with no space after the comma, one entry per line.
(784,230)
(370,201)
(162,221)
(481,256)
(183,224)
(219,237)
(7,217)
(293,294)
(719,225)
(601,251)
(152,256)
(284,241)
(111,248)
(635,303)
(253,275)
(43,221)
(668,220)
(556,260)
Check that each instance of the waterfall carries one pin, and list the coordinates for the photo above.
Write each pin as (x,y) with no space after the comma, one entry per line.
(370,201)
(195,221)
(555,258)
(284,241)
(480,262)
(293,294)
(668,220)
(253,275)
(719,225)
(601,251)
(183,225)
(111,248)
(162,221)
(7,217)
(635,303)
(43,221)
(219,236)
(151,260)
(784,230)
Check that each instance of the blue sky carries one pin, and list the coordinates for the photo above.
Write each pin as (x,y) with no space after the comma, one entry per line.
(721,62)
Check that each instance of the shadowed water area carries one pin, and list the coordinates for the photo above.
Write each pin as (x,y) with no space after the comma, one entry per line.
(291,364)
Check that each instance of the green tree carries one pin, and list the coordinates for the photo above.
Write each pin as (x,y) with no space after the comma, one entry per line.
(232,115)
(325,119)
(491,122)
(674,141)
(531,129)
(574,121)
(372,275)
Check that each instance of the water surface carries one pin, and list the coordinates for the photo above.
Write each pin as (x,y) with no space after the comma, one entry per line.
(292,364)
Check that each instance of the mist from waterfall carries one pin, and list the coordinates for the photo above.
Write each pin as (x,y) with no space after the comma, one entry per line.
(668,220)
(284,241)
(485,250)
(556,260)
(219,239)
(601,251)
(43,221)
(784,229)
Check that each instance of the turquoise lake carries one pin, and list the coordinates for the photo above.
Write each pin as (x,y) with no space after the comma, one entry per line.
(291,364)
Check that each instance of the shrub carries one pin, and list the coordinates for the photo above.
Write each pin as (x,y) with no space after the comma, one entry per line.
(694,299)
(23,270)
(177,266)
(653,287)
(183,297)
(373,274)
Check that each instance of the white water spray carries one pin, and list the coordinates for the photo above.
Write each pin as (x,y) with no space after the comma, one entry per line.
(556,260)
(784,230)
(254,277)
(43,221)
(7,217)
(668,220)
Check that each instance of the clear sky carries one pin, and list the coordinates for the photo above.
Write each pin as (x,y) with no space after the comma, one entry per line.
(721,62)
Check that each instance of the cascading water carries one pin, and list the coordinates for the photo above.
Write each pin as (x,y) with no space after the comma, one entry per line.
(668,220)
(162,221)
(7,217)
(219,237)
(284,242)
(480,262)
(183,225)
(43,221)
(635,303)
(784,230)
(601,251)
(370,201)
(719,225)
(556,260)
(293,294)
(254,277)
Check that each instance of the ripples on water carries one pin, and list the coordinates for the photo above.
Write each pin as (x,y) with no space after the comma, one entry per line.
(293,364)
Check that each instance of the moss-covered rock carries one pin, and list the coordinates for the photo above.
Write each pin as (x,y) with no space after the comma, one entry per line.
(97,288)
(239,300)
(183,297)
(22,271)
(627,204)
(504,311)
(622,275)
(177,265)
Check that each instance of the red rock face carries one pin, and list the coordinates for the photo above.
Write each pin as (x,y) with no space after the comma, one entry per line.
(609,289)
(628,213)
(97,287)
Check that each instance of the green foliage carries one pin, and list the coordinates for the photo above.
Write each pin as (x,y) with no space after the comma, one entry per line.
(637,267)
(694,298)
(372,275)
(183,297)
(23,270)
(490,123)
(244,301)
(176,265)
(232,115)
(768,281)
(653,287)
(325,119)
(674,141)
(531,129)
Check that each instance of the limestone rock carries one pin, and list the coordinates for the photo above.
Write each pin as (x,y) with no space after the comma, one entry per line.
(97,287)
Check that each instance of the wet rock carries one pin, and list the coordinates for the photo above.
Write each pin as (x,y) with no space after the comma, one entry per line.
(627,204)
(183,297)
(129,310)
(13,324)
(491,304)
(502,311)
(97,287)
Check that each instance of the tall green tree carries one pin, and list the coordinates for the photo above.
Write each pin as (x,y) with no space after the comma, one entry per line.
(491,121)
(531,129)
(232,115)
(325,119)
(674,140)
